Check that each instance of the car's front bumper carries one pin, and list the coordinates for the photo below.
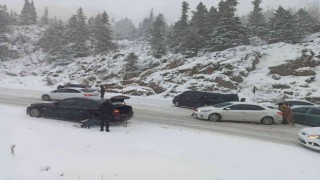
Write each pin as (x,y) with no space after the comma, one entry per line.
(308,142)
(200,115)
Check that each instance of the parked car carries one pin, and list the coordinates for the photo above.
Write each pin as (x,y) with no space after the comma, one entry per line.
(307,115)
(192,98)
(64,93)
(291,103)
(79,109)
(239,111)
(310,137)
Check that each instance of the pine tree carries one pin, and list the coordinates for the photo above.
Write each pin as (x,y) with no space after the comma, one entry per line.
(158,35)
(212,17)
(4,19)
(144,29)
(177,35)
(28,14)
(257,24)
(124,29)
(228,32)
(45,18)
(199,24)
(77,33)
(305,23)
(53,38)
(282,27)
(102,34)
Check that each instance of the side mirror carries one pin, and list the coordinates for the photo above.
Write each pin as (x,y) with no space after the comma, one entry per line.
(227,108)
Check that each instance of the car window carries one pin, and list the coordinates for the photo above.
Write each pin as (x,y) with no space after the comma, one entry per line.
(237,107)
(291,103)
(59,91)
(300,110)
(220,105)
(88,90)
(67,102)
(315,111)
(254,107)
(72,91)
(85,103)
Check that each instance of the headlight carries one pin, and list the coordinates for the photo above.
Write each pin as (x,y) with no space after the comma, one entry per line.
(314,136)
(204,110)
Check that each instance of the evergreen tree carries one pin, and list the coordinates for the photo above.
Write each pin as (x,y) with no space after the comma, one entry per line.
(228,32)
(45,18)
(102,34)
(53,38)
(77,33)
(199,24)
(124,29)
(212,17)
(144,29)
(4,19)
(28,14)
(257,24)
(14,18)
(282,27)
(177,40)
(305,23)
(158,35)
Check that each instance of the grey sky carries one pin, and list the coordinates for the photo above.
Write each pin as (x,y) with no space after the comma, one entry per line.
(139,9)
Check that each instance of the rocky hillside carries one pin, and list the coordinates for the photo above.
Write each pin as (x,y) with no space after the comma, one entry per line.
(277,70)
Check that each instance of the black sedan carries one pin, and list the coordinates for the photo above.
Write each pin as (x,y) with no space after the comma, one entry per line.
(78,109)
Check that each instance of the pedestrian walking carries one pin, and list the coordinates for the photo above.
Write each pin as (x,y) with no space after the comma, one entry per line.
(105,114)
(102,92)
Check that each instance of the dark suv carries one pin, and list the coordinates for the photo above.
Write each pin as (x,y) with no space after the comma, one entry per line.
(193,98)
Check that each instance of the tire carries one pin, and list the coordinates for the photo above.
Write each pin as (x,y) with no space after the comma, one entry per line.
(267,120)
(46,97)
(34,112)
(177,104)
(214,117)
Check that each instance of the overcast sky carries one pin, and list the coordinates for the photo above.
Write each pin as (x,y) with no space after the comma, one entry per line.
(139,9)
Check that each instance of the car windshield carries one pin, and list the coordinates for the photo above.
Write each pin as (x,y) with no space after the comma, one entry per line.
(224,104)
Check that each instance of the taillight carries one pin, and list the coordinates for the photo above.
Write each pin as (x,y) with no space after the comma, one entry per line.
(280,113)
(116,112)
(85,94)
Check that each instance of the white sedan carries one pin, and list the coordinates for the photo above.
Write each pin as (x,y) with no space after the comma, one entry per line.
(310,137)
(64,93)
(239,111)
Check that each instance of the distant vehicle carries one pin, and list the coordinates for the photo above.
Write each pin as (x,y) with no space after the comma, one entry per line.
(291,103)
(310,137)
(239,111)
(79,109)
(307,115)
(64,93)
(192,98)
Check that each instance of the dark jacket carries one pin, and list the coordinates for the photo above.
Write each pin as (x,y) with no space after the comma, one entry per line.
(105,110)
(102,90)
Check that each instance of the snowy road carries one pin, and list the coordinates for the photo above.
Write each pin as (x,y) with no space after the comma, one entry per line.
(162,111)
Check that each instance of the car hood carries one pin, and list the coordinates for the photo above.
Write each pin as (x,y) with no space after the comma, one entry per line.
(314,130)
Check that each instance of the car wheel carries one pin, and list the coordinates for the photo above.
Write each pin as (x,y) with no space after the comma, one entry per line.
(214,117)
(267,120)
(34,112)
(46,97)
(177,104)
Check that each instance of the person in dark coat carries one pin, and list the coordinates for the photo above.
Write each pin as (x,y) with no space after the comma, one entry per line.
(203,101)
(102,92)
(105,114)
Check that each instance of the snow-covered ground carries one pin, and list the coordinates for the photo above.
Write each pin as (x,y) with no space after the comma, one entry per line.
(50,149)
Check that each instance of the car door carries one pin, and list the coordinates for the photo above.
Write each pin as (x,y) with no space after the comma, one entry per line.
(185,99)
(70,93)
(234,112)
(314,117)
(254,113)
(58,94)
(84,108)
(67,109)
(301,115)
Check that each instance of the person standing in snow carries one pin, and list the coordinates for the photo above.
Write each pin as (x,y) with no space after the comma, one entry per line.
(105,114)
(102,92)
(287,113)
